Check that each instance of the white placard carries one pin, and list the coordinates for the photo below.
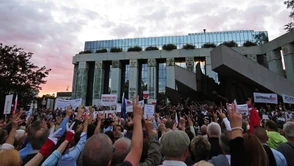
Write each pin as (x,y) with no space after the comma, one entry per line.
(270,98)
(149,110)
(288,99)
(265,117)
(108,99)
(243,109)
(62,103)
(8,103)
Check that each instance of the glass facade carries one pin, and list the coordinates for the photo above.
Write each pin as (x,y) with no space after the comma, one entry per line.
(197,39)
(161,77)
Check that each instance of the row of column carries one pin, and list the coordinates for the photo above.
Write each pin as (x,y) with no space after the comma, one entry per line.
(80,78)
(274,59)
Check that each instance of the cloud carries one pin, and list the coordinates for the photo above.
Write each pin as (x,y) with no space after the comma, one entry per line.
(56,30)
(50,31)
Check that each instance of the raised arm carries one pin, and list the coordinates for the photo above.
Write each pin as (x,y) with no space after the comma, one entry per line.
(100,117)
(137,139)
(11,137)
(236,144)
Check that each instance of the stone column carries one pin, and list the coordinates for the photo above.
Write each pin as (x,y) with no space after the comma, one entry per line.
(82,81)
(288,51)
(208,69)
(133,78)
(116,78)
(170,73)
(190,63)
(98,82)
(274,61)
(74,81)
(152,81)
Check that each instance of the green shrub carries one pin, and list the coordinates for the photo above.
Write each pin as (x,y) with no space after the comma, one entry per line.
(85,52)
(249,44)
(230,44)
(115,49)
(103,50)
(188,47)
(169,47)
(135,49)
(150,48)
(208,45)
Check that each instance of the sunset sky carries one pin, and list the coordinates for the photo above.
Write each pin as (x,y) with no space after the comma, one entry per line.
(55,30)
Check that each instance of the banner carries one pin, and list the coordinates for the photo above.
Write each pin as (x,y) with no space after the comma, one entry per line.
(288,99)
(149,110)
(8,103)
(270,98)
(108,99)
(62,103)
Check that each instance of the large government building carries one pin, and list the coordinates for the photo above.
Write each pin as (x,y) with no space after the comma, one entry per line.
(158,70)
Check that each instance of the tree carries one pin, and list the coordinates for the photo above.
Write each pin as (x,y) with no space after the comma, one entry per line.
(260,38)
(249,44)
(19,76)
(290,5)
(208,45)
(230,44)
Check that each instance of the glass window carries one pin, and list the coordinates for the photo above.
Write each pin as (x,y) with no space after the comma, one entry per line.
(161,77)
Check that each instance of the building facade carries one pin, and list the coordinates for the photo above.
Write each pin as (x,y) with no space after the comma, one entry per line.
(134,72)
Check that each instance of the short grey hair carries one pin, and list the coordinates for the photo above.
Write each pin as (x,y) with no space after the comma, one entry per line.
(122,147)
(214,129)
(288,129)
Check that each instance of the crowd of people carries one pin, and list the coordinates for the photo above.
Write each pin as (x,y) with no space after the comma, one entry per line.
(176,135)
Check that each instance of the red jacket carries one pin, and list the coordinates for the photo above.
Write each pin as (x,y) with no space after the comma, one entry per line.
(254,119)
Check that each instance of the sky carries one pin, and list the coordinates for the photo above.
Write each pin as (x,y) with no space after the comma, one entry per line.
(55,30)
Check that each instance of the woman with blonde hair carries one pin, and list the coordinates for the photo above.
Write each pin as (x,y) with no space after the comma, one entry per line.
(9,158)
(255,154)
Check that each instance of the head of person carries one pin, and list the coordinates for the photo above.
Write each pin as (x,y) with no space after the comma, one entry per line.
(203,129)
(288,129)
(271,126)
(37,135)
(261,134)
(214,130)
(98,151)
(175,145)
(200,148)
(10,158)
(224,142)
(121,149)
(255,155)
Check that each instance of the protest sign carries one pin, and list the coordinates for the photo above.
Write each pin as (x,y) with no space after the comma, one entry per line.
(8,104)
(288,99)
(270,98)
(62,103)
(108,99)
(149,110)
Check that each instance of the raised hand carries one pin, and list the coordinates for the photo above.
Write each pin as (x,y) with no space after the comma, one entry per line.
(53,135)
(70,132)
(221,114)
(235,117)
(137,108)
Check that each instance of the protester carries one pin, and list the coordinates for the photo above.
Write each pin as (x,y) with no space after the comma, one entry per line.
(90,136)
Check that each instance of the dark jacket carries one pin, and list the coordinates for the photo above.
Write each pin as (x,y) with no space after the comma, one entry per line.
(215,147)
